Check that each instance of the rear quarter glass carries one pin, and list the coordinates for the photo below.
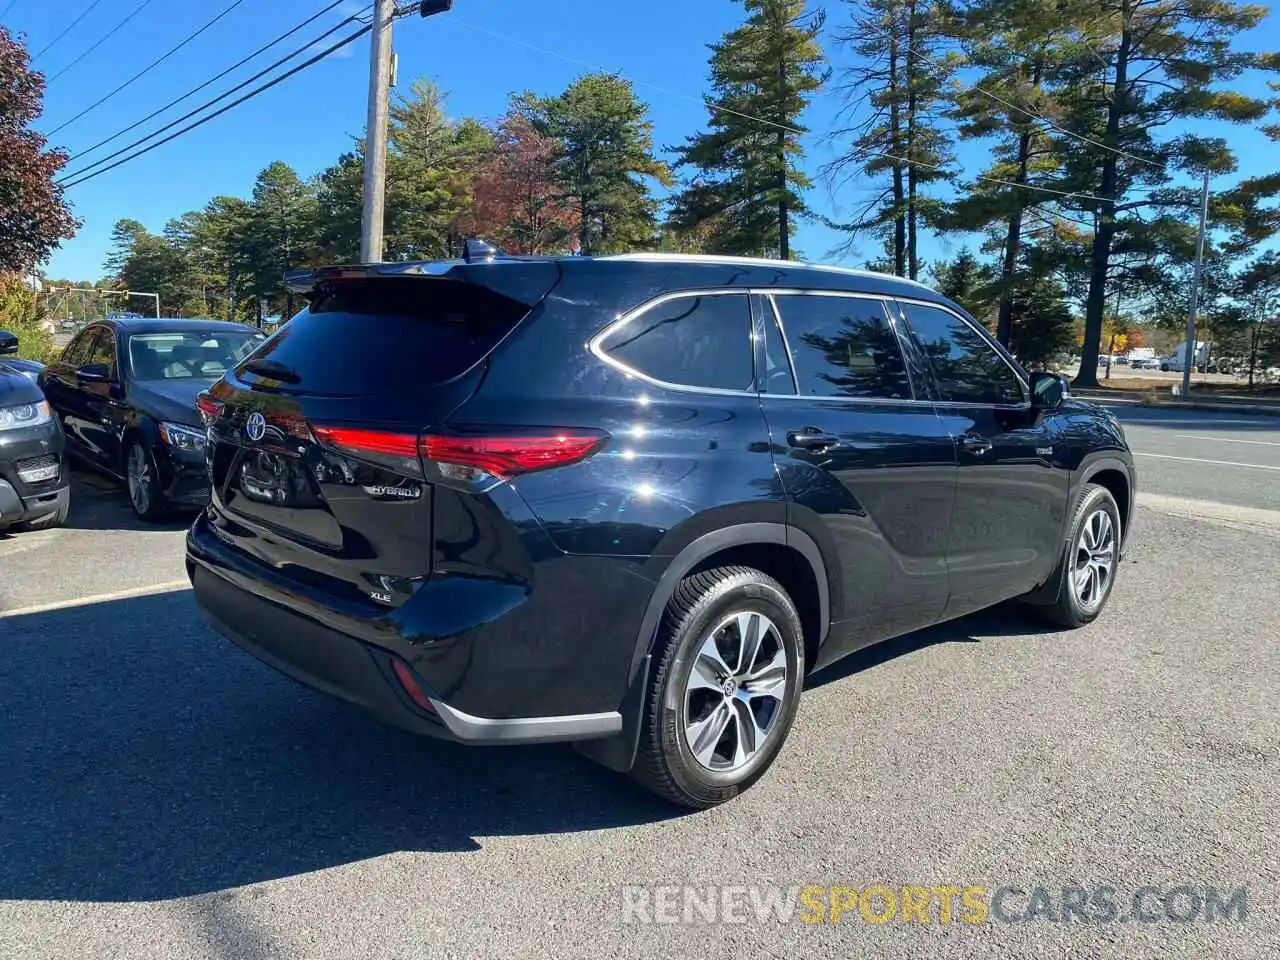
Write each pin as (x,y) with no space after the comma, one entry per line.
(386,335)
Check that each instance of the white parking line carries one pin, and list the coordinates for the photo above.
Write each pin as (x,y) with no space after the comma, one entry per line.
(171,586)
(1220,463)
(1193,436)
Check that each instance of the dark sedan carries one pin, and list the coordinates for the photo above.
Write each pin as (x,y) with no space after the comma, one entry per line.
(125,390)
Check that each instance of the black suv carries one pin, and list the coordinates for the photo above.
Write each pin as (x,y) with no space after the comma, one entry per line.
(35,491)
(632,501)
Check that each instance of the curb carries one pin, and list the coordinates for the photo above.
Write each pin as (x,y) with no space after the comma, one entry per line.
(1257,409)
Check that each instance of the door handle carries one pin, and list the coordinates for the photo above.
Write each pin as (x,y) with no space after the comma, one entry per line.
(977,445)
(811,438)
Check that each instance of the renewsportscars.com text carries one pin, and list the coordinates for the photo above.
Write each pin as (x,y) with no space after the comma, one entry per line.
(933,904)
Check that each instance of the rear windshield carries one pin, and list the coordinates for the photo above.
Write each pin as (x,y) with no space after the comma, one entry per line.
(379,336)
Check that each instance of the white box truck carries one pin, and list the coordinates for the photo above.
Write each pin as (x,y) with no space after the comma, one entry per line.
(1175,360)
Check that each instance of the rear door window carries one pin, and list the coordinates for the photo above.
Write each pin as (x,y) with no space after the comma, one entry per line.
(844,347)
(385,335)
(691,341)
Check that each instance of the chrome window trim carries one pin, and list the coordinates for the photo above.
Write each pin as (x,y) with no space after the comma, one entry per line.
(986,336)
(595,343)
(768,293)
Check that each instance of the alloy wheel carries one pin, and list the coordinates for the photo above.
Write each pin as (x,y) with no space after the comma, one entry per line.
(139,479)
(1095,560)
(734,695)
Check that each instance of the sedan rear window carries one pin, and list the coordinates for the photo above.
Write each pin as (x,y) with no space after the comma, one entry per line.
(189,355)
(379,336)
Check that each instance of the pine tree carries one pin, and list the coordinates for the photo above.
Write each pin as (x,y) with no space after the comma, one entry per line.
(1018,63)
(1141,66)
(968,282)
(893,95)
(605,161)
(747,188)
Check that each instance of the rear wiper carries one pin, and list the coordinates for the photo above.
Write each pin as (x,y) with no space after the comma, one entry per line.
(272,370)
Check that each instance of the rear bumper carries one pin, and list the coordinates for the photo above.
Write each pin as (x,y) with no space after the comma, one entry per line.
(360,672)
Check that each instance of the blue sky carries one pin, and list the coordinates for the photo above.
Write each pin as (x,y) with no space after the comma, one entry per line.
(308,120)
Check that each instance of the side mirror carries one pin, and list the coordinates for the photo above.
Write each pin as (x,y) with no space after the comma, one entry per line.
(94,373)
(8,343)
(1048,391)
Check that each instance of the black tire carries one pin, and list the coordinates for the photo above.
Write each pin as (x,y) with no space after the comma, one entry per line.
(145,496)
(1068,609)
(665,763)
(51,520)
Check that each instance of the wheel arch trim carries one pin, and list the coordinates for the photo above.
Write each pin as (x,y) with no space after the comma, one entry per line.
(709,544)
(618,752)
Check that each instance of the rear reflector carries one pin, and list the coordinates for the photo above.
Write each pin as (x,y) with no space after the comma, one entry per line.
(411,685)
(504,457)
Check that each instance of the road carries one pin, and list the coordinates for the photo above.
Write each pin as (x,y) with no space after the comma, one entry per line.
(165,796)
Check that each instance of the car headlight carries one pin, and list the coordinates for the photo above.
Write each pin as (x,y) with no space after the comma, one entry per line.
(25,415)
(183,438)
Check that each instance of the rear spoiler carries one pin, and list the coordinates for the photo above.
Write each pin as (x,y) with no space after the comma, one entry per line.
(306,281)
(525,280)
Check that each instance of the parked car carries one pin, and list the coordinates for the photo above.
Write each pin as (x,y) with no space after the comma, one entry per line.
(20,365)
(632,501)
(34,485)
(125,391)
(1145,363)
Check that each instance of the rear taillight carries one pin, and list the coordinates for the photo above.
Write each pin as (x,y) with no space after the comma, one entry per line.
(210,409)
(479,459)
(397,451)
(467,461)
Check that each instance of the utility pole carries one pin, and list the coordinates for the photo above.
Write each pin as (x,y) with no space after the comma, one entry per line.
(1189,357)
(375,139)
(382,68)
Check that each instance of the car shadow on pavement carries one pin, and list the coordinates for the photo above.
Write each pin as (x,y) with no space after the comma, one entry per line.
(99,503)
(145,758)
(1006,620)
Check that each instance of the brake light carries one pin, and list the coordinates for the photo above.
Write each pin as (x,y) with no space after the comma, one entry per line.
(210,409)
(398,451)
(462,458)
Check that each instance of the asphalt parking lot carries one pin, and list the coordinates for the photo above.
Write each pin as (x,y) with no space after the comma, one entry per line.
(163,795)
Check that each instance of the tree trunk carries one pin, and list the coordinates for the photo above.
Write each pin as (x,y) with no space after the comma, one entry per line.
(784,224)
(1253,353)
(909,81)
(1013,238)
(895,136)
(1100,258)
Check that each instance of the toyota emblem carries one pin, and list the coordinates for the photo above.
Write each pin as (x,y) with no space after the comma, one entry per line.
(255,428)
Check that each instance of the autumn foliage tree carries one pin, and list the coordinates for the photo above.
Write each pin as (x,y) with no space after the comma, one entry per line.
(518,202)
(34,216)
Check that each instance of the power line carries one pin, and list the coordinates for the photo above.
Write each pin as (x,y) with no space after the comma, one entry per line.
(204,106)
(102,39)
(5,11)
(148,68)
(746,116)
(1029,114)
(212,80)
(74,23)
(231,106)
